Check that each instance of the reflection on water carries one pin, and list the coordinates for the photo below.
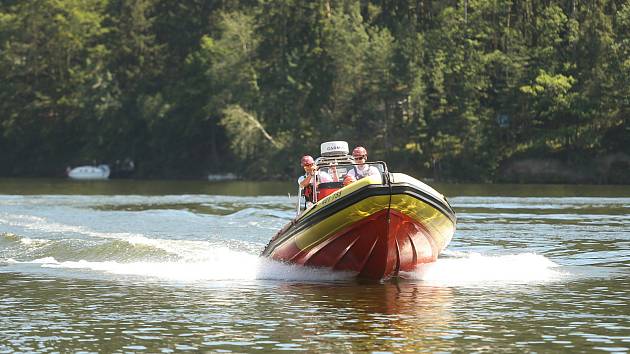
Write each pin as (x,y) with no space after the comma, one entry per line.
(173,266)
(70,314)
(44,314)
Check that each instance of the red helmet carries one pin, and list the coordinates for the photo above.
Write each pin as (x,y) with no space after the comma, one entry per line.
(307,160)
(359,151)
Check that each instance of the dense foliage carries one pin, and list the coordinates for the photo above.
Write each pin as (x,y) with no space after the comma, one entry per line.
(450,89)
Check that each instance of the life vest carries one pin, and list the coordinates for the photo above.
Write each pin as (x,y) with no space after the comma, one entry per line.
(308,193)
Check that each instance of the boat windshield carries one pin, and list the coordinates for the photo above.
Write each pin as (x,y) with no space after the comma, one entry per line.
(332,175)
(337,173)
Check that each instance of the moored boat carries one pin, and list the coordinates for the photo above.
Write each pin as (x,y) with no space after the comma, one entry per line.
(99,172)
(221,177)
(376,227)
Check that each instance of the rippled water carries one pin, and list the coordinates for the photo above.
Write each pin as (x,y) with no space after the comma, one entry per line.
(174,266)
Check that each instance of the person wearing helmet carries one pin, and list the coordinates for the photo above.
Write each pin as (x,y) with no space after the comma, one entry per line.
(310,172)
(361,169)
(308,164)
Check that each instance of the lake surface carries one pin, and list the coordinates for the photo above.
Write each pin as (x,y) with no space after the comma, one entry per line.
(163,266)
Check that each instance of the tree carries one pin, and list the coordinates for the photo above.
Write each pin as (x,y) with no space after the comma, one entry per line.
(55,80)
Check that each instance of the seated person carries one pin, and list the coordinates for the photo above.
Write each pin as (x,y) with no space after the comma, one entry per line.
(361,169)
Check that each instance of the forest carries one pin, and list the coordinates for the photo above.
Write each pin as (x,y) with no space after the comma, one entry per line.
(454,90)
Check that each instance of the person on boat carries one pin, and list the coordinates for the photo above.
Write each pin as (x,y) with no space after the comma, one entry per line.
(308,164)
(310,172)
(361,169)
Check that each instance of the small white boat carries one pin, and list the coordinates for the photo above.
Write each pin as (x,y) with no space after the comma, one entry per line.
(222,177)
(99,172)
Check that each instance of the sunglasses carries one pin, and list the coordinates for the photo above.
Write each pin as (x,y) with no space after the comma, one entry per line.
(360,157)
(308,164)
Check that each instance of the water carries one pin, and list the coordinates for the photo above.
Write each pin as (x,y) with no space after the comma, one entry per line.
(139,266)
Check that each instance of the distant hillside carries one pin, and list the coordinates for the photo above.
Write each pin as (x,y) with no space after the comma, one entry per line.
(455,90)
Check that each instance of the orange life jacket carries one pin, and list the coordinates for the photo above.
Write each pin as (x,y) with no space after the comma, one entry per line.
(308,193)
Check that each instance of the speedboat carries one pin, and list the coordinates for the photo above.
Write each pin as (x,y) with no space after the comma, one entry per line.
(375,227)
(99,172)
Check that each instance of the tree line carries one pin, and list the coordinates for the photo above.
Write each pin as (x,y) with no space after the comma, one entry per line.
(451,89)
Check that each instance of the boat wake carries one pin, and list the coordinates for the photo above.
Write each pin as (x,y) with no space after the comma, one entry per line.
(176,260)
(460,268)
(229,265)
(232,260)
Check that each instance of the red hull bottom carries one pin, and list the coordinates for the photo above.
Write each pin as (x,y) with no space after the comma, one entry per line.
(377,247)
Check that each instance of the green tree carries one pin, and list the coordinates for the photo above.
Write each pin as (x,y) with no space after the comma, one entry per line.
(55,80)
(140,128)
(456,85)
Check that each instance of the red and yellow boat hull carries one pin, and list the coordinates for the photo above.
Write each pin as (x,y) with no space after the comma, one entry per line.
(372,228)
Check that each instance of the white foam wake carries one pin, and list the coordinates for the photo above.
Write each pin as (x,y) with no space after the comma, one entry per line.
(225,264)
(188,249)
(474,268)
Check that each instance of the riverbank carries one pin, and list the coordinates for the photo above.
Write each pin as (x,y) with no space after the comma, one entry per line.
(606,169)
(609,169)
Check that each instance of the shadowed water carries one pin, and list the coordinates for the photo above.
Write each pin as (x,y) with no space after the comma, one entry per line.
(173,266)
